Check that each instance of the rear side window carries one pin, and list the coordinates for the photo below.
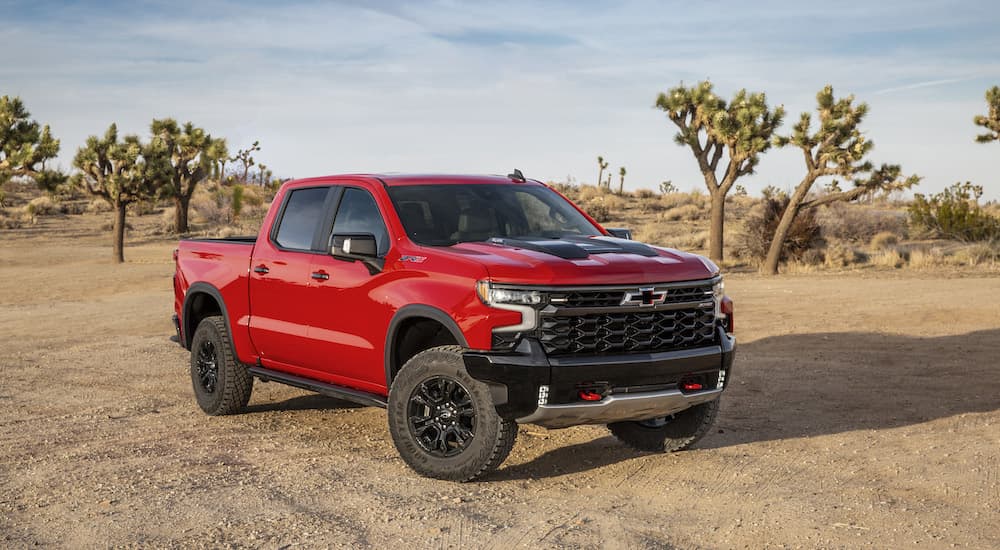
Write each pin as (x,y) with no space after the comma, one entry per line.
(358,213)
(301,218)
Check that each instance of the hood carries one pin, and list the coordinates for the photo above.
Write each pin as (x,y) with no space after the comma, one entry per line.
(583,261)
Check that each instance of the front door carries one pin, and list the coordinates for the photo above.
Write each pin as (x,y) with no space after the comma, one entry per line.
(348,319)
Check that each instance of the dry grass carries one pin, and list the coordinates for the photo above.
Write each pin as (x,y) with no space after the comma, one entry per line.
(887,257)
(685,212)
(884,240)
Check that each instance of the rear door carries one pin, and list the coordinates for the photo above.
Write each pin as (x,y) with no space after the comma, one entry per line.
(349,320)
(280,279)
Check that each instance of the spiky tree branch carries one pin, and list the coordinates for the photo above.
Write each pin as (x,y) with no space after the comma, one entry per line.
(120,172)
(836,148)
(25,145)
(990,121)
(722,136)
(192,154)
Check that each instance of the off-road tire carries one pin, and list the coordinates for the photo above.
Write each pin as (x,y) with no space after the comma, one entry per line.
(493,436)
(680,432)
(233,383)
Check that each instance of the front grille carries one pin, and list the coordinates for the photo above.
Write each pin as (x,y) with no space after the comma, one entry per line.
(609,298)
(628,332)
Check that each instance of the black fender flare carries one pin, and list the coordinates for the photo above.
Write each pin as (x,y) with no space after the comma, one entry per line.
(187,331)
(409,312)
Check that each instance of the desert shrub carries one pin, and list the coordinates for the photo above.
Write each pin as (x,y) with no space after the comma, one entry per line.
(143,208)
(842,254)
(98,206)
(599,211)
(883,240)
(923,258)
(674,200)
(44,206)
(590,192)
(758,231)
(978,254)
(858,223)
(954,213)
(687,212)
(887,257)
(644,194)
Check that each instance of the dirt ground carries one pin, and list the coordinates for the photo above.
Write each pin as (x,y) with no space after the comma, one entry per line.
(864,411)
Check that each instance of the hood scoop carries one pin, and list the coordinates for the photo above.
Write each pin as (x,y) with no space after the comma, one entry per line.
(578,248)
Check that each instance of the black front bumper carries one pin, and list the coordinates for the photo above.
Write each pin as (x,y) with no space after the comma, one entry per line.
(515,379)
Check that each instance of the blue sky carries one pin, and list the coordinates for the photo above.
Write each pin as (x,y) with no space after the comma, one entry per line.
(331,87)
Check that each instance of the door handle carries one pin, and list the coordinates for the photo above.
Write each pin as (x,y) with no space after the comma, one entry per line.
(320,275)
(262,269)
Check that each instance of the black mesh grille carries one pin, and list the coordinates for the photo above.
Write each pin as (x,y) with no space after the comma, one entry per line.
(628,332)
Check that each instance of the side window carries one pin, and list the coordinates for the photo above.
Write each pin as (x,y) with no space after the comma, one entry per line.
(358,213)
(301,218)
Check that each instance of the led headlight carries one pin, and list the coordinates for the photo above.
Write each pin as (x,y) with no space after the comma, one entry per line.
(492,295)
(513,299)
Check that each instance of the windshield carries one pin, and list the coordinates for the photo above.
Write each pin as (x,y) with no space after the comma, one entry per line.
(442,215)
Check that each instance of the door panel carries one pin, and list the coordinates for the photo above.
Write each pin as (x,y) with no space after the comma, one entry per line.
(347,319)
(280,280)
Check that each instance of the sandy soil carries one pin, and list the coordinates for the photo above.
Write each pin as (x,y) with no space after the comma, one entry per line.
(864,411)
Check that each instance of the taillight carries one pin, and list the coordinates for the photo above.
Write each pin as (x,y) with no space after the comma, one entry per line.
(726,307)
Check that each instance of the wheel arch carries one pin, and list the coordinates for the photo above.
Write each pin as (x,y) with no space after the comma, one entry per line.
(202,300)
(422,316)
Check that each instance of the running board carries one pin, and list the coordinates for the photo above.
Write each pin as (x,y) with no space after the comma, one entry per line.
(330,390)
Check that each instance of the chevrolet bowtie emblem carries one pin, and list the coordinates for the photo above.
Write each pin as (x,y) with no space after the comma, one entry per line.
(645,297)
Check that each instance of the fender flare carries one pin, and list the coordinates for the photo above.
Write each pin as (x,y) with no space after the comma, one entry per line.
(409,312)
(187,331)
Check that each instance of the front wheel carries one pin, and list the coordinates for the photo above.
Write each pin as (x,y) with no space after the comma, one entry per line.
(670,433)
(443,421)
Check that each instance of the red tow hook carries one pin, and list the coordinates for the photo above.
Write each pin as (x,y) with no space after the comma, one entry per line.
(588,395)
(690,386)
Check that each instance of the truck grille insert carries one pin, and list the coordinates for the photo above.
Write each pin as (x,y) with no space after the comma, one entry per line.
(613,297)
(628,332)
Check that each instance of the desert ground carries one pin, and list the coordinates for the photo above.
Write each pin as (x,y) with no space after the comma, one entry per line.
(864,412)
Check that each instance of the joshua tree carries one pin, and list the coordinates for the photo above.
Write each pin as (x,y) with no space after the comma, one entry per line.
(602,165)
(991,121)
(737,132)
(244,157)
(667,187)
(192,154)
(120,172)
(621,182)
(836,148)
(25,146)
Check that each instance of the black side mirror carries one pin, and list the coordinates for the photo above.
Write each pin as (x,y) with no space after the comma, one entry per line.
(357,246)
(620,232)
(354,246)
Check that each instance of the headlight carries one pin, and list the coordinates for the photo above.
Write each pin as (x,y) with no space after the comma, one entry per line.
(718,291)
(492,295)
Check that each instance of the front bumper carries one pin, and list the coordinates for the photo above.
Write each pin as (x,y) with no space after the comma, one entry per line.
(631,386)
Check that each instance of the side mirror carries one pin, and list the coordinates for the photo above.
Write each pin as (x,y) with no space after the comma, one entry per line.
(354,246)
(357,247)
(620,232)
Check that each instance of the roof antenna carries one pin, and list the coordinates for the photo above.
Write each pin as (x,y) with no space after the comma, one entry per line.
(517,176)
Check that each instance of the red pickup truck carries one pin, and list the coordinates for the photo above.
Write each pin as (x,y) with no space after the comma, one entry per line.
(464,305)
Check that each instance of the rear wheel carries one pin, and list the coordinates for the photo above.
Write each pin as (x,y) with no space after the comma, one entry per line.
(443,421)
(222,385)
(670,433)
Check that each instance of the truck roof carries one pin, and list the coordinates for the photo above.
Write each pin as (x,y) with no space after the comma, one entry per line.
(396,179)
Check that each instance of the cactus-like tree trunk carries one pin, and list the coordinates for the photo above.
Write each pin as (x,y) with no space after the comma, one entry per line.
(715,236)
(181,204)
(781,232)
(118,249)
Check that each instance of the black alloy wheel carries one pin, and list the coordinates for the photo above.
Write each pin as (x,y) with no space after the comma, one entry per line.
(441,416)
(208,366)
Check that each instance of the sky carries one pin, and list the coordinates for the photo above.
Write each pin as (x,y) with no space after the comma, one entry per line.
(484,87)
